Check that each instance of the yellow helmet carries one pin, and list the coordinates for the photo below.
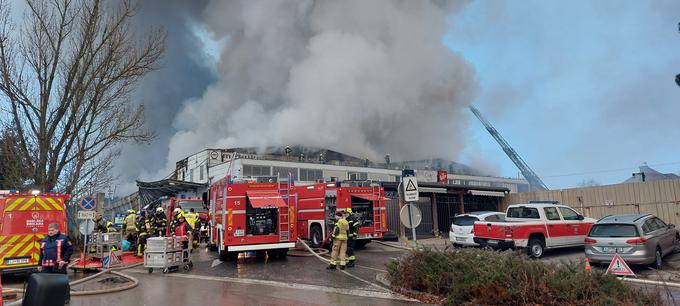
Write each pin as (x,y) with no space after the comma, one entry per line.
(159,209)
(349,211)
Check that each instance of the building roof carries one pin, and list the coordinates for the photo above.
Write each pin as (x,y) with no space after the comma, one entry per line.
(650,175)
(150,192)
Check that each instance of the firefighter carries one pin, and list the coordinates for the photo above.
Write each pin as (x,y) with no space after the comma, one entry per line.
(99,223)
(175,217)
(183,229)
(55,253)
(142,229)
(129,226)
(353,223)
(339,241)
(191,217)
(110,228)
(160,222)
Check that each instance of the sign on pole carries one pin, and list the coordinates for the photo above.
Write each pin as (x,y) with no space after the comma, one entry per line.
(410,185)
(410,216)
(86,214)
(619,267)
(87,203)
(86,226)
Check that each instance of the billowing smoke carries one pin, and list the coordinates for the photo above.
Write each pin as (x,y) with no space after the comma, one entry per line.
(366,78)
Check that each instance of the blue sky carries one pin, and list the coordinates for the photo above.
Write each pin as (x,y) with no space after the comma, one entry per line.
(577,87)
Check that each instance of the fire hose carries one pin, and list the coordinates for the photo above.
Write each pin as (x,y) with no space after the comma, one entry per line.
(135,283)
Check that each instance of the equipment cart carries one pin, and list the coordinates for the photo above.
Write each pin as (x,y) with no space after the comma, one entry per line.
(167,253)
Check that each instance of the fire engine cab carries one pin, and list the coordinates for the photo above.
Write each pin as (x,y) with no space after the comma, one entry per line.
(24,218)
(249,216)
(319,202)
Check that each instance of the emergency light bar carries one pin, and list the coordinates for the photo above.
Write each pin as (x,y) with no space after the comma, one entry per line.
(35,192)
(545,202)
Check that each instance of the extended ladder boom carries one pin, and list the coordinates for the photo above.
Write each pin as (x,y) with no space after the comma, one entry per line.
(528,174)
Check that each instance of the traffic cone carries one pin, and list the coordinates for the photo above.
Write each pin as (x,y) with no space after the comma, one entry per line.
(588,268)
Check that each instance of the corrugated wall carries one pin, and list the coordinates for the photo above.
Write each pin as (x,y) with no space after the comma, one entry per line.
(661,198)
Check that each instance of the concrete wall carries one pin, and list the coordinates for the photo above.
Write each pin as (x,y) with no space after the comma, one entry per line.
(661,198)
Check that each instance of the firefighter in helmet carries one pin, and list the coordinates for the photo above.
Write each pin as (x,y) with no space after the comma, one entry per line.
(353,223)
(160,222)
(191,217)
(129,230)
(110,227)
(176,213)
(339,241)
(142,229)
(183,229)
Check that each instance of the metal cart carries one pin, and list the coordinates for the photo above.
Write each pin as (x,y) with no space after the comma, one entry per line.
(167,253)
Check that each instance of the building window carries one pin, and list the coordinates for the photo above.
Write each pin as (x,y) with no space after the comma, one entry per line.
(357,176)
(310,175)
(191,175)
(251,170)
(200,172)
(282,172)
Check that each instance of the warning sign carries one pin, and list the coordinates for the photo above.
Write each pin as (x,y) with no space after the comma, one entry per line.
(111,260)
(619,267)
(410,185)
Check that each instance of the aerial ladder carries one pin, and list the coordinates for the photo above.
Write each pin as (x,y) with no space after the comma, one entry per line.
(535,182)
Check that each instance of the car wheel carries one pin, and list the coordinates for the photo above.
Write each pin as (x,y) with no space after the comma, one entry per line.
(535,248)
(658,259)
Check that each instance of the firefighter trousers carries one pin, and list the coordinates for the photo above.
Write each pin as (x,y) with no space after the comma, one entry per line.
(339,250)
(141,244)
(351,243)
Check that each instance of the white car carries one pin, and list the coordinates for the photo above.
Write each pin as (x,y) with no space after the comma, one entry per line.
(461,233)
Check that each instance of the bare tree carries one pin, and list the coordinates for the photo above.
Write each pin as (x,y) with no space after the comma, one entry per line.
(67,72)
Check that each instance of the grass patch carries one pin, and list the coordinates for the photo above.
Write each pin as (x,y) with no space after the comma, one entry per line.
(488,277)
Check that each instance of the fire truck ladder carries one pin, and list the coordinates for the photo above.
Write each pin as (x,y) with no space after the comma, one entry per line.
(534,181)
(377,223)
(284,227)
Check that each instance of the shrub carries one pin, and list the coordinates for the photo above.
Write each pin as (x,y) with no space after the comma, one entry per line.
(491,278)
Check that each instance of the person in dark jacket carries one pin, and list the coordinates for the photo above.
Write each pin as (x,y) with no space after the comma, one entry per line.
(55,253)
(160,223)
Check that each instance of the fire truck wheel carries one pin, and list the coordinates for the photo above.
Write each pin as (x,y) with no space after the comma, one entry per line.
(186,267)
(315,236)
(150,270)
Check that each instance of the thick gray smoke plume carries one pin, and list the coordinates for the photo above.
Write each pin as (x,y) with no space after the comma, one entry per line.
(366,78)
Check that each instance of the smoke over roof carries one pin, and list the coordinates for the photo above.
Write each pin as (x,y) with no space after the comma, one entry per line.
(367,78)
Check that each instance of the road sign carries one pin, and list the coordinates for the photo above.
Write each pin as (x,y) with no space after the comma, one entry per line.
(87,203)
(410,185)
(619,267)
(415,216)
(86,226)
(86,214)
(119,219)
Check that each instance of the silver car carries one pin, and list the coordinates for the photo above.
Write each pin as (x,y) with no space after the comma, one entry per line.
(637,238)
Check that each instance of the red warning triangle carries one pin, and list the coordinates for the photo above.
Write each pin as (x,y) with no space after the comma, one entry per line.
(619,267)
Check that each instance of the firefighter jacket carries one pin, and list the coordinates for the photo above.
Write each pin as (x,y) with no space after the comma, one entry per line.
(191,218)
(141,227)
(353,222)
(54,249)
(160,221)
(183,229)
(341,229)
(129,223)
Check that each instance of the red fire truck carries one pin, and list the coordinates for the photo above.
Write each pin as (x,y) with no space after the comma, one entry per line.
(186,204)
(24,219)
(252,217)
(318,203)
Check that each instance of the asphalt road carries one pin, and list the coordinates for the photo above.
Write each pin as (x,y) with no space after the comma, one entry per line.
(252,281)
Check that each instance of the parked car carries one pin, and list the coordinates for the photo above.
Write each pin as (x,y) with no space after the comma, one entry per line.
(462,234)
(535,226)
(637,238)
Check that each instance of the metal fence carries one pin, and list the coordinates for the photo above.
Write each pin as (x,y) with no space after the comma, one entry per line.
(661,198)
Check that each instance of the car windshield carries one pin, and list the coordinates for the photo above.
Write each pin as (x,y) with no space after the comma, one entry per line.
(523,212)
(464,220)
(613,230)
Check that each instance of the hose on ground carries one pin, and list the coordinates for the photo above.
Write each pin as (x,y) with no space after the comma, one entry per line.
(343,271)
(303,253)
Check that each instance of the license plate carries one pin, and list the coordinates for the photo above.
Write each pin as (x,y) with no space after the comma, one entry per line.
(17,261)
(460,239)
(612,250)
(491,241)
(239,233)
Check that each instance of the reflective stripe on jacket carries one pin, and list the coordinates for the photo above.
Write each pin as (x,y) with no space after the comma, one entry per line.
(341,229)
(55,249)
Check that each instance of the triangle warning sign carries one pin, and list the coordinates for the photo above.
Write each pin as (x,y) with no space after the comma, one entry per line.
(410,186)
(619,267)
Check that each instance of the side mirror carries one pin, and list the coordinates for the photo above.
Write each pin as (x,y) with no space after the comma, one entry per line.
(579,217)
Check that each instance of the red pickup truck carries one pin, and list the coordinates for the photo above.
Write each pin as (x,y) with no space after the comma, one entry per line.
(535,227)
